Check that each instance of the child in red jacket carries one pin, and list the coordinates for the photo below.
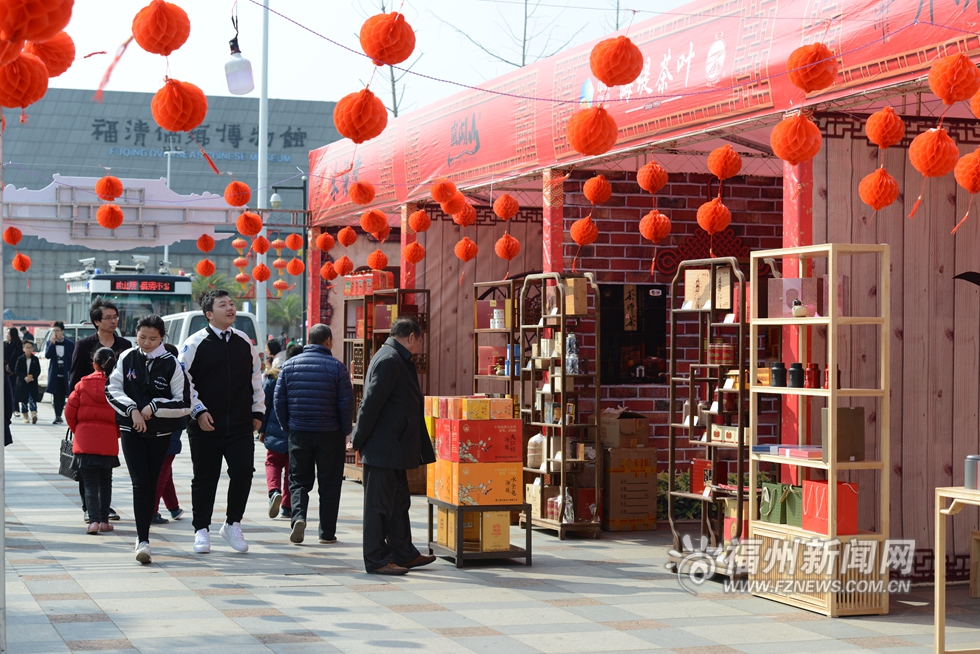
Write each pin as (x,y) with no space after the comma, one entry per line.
(96,444)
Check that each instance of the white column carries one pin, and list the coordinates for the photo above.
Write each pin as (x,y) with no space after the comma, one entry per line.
(263,194)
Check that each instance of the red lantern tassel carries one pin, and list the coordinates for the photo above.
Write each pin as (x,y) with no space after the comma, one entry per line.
(653,262)
(711,245)
(461,278)
(210,161)
(112,66)
(918,201)
(970,206)
(574,259)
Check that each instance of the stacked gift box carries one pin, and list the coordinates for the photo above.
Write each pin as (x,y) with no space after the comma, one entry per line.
(367,283)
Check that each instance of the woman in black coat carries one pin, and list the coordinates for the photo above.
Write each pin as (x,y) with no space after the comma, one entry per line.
(12,350)
(26,371)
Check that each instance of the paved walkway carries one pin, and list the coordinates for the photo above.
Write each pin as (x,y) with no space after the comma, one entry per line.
(67,591)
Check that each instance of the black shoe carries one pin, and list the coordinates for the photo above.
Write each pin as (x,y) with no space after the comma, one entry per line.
(58,421)
(159,519)
(85,515)
(112,514)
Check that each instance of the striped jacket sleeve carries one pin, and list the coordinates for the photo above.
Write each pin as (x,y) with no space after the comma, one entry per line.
(179,403)
(258,392)
(186,359)
(115,390)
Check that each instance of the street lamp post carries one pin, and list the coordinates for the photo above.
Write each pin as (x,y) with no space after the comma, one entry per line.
(276,202)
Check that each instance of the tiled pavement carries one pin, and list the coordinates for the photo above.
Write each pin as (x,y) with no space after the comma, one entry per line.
(67,591)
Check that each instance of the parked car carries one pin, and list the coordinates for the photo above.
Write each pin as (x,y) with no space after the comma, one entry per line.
(181,325)
(73,332)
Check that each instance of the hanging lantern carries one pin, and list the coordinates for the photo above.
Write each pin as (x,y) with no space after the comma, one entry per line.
(382,235)
(954,78)
(878,190)
(387,39)
(885,128)
(21,262)
(261,245)
(597,190)
(975,104)
(616,61)
(248,224)
(294,242)
(179,106)
(23,82)
(242,278)
(278,245)
(328,272)
(465,249)
(205,243)
(237,194)
(109,216)
(454,204)
(592,131)
(343,266)
(295,267)
(161,27)
(812,67)
(240,263)
(360,116)
(205,268)
(442,190)
(934,153)
(108,188)
(34,21)
(57,53)
(240,244)
(505,207)
(466,216)
(796,139)
(713,217)
(507,247)
(373,221)
(325,242)
(419,222)
(967,174)
(261,273)
(584,231)
(361,192)
(347,238)
(9,50)
(377,260)
(280,265)
(724,163)
(280,285)
(654,227)
(651,177)
(12,236)
(413,253)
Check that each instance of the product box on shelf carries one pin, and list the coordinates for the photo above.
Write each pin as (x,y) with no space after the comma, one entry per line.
(495,532)
(537,496)
(486,354)
(441,473)
(501,408)
(623,428)
(485,484)
(430,481)
(724,433)
(479,441)
(629,498)
(489,313)
(576,291)
(731,519)
(446,527)
(700,475)
(697,288)
(368,283)
(476,408)
(430,428)
(386,314)
(850,432)
(816,507)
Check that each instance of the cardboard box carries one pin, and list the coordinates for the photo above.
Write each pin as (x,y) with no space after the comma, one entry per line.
(454,409)
(623,429)
(430,480)
(501,408)
(485,312)
(716,435)
(700,475)
(442,481)
(816,505)
(485,356)
(576,296)
(783,291)
(538,496)
(479,441)
(850,433)
(629,499)
(427,406)
(385,315)
(476,408)
(729,434)
(484,484)
(442,527)
(495,535)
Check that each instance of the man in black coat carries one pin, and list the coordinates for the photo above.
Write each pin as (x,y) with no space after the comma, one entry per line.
(58,354)
(391,437)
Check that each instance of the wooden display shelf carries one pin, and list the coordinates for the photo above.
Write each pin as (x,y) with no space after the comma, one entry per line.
(564,528)
(464,551)
(817,392)
(958,497)
(815,463)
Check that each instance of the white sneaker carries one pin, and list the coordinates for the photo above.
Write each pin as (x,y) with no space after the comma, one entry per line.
(202,541)
(143,552)
(233,534)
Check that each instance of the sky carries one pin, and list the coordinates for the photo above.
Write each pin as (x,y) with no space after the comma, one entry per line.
(303,66)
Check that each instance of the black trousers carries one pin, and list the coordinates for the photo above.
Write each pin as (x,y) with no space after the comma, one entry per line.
(387,529)
(207,452)
(98,492)
(144,458)
(323,451)
(58,398)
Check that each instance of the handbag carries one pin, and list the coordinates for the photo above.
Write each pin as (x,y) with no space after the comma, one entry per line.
(66,467)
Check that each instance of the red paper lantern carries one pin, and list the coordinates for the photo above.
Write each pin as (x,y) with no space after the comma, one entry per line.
(278,245)
(373,221)
(261,273)
(161,27)
(347,238)
(361,192)
(592,131)
(23,81)
(242,278)
(237,194)
(179,106)
(597,189)
(878,190)
(655,226)
(413,253)
(454,204)
(325,242)
(10,49)
(382,234)
(975,104)
(954,78)
(714,216)
(651,177)
(108,188)
(328,272)
(387,39)
(442,190)
(885,128)
(465,249)
(967,172)
(933,153)
(109,216)
(505,207)
(205,268)
(466,216)
(724,162)
(294,242)
(419,221)
(248,224)
(377,260)
(360,116)
(261,244)
(584,231)
(21,262)
(58,53)
(616,61)
(12,236)
(280,265)
(812,67)
(205,243)
(343,266)
(796,139)
(33,20)
(295,267)
(240,262)
(507,247)
(280,285)
(240,244)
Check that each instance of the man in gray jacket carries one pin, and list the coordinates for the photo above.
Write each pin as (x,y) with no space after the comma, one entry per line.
(391,437)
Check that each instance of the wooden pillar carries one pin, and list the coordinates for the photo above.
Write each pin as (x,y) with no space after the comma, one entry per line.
(314,283)
(407,276)
(553,221)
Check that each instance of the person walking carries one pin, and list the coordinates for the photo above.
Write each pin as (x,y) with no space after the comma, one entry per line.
(58,354)
(150,394)
(8,410)
(165,483)
(391,437)
(96,441)
(13,349)
(276,444)
(25,335)
(26,372)
(227,406)
(315,405)
(104,315)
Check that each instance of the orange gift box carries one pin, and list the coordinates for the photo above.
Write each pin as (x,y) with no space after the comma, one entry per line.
(483,484)
(479,441)
(816,507)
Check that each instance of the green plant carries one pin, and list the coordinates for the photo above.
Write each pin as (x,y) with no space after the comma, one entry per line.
(286,312)
(684,508)
(216,281)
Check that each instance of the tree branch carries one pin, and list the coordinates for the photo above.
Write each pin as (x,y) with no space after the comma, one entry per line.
(477,44)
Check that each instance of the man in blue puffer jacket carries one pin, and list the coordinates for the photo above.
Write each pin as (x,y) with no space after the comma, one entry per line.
(315,405)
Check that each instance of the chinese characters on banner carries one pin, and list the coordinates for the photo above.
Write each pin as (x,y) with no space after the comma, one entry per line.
(134,133)
(629,308)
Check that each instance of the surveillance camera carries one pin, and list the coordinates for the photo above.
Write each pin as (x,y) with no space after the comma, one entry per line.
(88,261)
(141,258)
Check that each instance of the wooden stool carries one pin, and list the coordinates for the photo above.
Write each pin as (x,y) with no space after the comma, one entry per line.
(974,564)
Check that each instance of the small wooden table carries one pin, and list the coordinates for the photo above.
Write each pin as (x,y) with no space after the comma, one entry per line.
(960,497)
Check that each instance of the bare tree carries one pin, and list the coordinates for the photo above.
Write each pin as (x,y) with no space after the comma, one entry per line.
(617,22)
(393,78)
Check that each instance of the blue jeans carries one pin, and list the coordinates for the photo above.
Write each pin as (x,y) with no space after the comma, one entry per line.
(29,404)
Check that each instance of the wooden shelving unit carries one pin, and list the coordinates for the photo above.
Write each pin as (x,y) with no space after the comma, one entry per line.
(770,536)
(463,552)
(566,389)
(411,303)
(508,337)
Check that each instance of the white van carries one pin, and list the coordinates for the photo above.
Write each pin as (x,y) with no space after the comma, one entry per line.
(180,326)
(73,332)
